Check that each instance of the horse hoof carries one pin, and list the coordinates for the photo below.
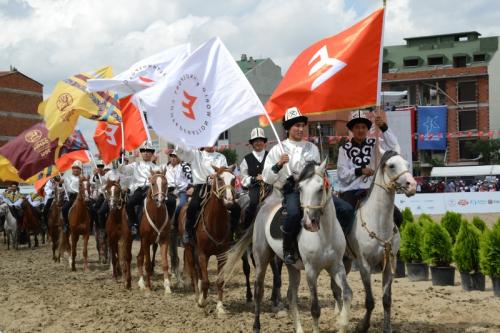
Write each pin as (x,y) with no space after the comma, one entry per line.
(277,308)
(220,309)
(202,302)
(141,284)
(168,291)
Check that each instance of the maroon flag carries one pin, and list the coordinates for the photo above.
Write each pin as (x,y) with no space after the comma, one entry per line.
(31,151)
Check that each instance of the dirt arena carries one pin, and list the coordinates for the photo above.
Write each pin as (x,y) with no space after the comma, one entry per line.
(37,295)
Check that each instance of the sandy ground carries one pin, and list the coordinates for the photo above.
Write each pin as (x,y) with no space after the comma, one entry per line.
(37,295)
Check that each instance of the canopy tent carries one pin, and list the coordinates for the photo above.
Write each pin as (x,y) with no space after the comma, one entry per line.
(477,170)
(393,96)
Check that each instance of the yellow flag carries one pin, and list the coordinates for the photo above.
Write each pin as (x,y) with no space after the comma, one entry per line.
(69,100)
(8,171)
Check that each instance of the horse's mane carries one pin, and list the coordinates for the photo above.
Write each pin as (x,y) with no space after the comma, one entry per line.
(387,155)
(308,171)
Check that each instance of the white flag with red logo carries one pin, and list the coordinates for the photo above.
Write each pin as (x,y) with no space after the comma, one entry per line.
(142,74)
(204,96)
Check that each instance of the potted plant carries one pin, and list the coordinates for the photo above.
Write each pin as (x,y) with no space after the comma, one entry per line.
(451,221)
(489,256)
(479,223)
(466,257)
(411,252)
(437,251)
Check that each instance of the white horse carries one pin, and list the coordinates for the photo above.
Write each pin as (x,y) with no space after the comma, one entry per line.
(373,242)
(10,226)
(320,250)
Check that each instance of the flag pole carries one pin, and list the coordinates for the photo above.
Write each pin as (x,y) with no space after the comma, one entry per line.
(379,84)
(123,142)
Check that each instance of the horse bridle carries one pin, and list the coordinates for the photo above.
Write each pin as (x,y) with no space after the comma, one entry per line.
(325,197)
(218,190)
(392,185)
(156,194)
(119,201)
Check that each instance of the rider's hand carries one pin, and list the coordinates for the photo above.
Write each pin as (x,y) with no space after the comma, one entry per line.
(379,121)
(283,159)
(259,178)
(367,172)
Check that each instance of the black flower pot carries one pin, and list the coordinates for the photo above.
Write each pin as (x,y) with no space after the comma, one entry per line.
(443,276)
(496,286)
(400,269)
(478,281)
(466,281)
(417,271)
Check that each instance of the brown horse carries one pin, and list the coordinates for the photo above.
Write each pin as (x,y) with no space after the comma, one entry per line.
(154,228)
(30,221)
(79,221)
(213,235)
(55,223)
(119,236)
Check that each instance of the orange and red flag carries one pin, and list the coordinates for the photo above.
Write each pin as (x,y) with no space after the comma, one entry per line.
(338,73)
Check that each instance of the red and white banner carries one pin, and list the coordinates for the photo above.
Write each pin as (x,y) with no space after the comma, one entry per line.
(204,96)
(337,73)
(144,73)
(108,139)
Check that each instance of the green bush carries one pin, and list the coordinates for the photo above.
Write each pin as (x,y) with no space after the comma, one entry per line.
(451,221)
(466,248)
(230,154)
(407,215)
(411,243)
(425,219)
(489,251)
(479,223)
(436,245)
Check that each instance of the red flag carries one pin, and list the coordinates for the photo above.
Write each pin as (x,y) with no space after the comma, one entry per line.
(133,124)
(66,161)
(340,72)
(108,138)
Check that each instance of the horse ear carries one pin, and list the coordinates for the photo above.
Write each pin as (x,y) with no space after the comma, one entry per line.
(216,169)
(232,167)
(323,165)
(397,149)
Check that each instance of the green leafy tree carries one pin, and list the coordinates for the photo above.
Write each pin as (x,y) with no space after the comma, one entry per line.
(231,155)
(479,223)
(466,248)
(451,221)
(488,149)
(425,219)
(489,251)
(411,243)
(436,245)
(407,215)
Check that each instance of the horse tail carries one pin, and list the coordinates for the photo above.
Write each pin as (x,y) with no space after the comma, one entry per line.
(234,254)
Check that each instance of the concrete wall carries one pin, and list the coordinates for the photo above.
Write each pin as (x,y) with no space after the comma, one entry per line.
(264,78)
(494,91)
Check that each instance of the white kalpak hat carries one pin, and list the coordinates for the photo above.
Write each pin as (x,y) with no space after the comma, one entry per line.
(257,133)
(293,116)
(147,146)
(77,164)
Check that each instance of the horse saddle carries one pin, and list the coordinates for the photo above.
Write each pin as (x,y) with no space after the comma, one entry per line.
(276,224)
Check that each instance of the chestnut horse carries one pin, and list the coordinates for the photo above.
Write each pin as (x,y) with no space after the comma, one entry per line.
(30,221)
(213,235)
(79,221)
(55,223)
(119,236)
(154,228)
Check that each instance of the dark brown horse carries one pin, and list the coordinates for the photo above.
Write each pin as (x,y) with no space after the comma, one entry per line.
(30,222)
(154,228)
(79,222)
(55,223)
(213,235)
(119,236)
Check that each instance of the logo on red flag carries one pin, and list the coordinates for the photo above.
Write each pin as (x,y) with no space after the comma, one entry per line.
(189,105)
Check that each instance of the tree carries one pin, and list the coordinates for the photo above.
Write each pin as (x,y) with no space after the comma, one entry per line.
(230,154)
(488,149)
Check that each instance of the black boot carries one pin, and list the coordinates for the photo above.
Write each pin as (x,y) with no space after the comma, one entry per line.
(289,255)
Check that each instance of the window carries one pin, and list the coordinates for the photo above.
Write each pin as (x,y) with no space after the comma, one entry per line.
(467,91)
(459,61)
(327,129)
(466,149)
(467,120)
(461,38)
(479,57)
(385,67)
(433,61)
(410,62)
(224,135)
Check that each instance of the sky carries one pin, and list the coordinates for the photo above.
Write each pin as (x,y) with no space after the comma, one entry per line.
(50,40)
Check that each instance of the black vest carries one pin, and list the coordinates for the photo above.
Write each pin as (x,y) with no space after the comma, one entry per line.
(254,166)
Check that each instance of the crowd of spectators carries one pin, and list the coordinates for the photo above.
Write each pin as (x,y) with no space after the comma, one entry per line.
(488,184)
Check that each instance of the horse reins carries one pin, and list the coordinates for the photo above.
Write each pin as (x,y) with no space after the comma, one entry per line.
(393,185)
(150,221)
(325,197)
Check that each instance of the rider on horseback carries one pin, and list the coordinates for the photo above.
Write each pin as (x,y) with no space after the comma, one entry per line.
(251,173)
(72,185)
(179,179)
(354,166)
(201,163)
(140,171)
(102,209)
(49,192)
(298,153)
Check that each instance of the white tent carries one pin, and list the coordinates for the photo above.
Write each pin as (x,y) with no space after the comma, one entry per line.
(476,170)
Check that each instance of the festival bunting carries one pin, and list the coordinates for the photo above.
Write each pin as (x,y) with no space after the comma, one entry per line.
(70,99)
(337,73)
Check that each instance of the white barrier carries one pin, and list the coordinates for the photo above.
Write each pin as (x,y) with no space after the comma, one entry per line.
(460,202)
